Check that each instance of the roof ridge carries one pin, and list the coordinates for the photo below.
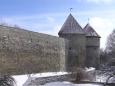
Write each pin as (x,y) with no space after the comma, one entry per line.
(90,31)
(71,26)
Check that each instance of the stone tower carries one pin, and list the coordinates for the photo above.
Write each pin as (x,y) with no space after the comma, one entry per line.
(92,46)
(75,35)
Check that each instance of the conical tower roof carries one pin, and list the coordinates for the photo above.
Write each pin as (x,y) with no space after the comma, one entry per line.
(71,26)
(90,31)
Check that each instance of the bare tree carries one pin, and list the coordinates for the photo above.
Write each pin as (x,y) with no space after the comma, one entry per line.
(107,57)
(103,57)
(110,47)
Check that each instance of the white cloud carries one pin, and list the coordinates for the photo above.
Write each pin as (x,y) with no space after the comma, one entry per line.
(51,19)
(100,1)
(97,1)
(48,24)
(56,29)
(103,27)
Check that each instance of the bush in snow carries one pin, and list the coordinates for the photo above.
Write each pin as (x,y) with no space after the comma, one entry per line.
(6,80)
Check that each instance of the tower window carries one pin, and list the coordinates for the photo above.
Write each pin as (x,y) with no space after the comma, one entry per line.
(70,48)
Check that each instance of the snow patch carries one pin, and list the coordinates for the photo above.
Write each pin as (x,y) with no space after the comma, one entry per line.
(59,84)
(67,84)
(48,74)
(90,69)
(21,79)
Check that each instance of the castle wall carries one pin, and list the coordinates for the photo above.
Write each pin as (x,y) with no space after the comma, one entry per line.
(76,51)
(93,41)
(92,51)
(23,51)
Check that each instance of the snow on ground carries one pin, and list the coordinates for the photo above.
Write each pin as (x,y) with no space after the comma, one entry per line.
(21,79)
(59,84)
(67,84)
(101,78)
(90,69)
(48,74)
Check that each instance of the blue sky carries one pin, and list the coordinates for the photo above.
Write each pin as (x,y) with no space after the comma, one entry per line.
(47,16)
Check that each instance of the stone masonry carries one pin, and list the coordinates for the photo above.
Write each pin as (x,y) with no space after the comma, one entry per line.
(23,51)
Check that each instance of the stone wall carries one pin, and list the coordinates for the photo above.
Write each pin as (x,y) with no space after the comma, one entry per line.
(93,41)
(92,51)
(76,51)
(23,51)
